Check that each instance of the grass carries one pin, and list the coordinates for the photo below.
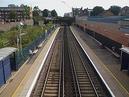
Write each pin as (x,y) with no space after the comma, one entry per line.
(9,38)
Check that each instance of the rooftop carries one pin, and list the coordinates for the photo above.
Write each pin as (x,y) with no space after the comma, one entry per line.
(11,8)
(125,49)
(4,52)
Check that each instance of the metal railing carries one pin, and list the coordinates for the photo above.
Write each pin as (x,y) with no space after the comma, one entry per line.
(22,56)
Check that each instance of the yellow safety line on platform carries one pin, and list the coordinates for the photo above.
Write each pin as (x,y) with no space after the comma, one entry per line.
(117,80)
(112,74)
(15,92)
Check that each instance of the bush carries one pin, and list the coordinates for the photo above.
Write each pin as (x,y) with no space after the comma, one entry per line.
(29,33)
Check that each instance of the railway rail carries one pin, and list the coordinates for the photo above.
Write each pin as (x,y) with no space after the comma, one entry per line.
(48,84)
(68,72)
(88,82)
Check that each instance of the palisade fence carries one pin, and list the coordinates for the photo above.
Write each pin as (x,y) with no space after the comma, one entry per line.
(22,56)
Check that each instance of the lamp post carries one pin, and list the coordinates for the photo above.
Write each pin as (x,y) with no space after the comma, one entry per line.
(19,39)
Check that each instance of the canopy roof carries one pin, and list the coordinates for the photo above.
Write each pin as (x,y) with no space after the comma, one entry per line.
(5,52)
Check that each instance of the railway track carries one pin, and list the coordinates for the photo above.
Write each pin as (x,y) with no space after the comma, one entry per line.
(69,80)
(88,82)
(67,72)
(48,84)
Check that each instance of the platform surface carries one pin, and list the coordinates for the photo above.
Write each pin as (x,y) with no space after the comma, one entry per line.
(113,84)
(22,84)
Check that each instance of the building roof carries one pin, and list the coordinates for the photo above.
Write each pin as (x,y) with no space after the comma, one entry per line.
(11,8)
(1,58)
(4,52)
(125,49)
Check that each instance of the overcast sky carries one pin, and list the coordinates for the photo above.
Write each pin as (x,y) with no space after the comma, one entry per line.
(63,6)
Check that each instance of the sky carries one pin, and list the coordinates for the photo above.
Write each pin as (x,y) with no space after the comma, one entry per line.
(63,6)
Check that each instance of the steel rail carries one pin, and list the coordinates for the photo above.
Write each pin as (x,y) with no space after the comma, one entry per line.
(48,72)
(78,94)
(61,67)
(86,71)
(75,77)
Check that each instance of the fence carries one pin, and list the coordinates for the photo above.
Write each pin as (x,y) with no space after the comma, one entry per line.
(22,56)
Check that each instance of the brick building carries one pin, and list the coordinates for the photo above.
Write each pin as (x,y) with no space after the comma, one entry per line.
(12,13)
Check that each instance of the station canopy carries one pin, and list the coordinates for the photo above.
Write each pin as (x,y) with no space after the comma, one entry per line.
(125,49)
(5,52)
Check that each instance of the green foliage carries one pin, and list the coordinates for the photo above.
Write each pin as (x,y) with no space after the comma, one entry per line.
(115,10)
(53,13)
(26,11)
(12,15)
(49,25)
(30,33)
(97,10)
(36,15)
(45,13)
(36,11)
(3,41)
(12,37)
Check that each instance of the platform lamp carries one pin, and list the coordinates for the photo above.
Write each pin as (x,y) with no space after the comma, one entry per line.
(19,40)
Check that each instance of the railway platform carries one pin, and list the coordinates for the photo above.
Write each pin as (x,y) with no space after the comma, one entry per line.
(23,82)
(109,79)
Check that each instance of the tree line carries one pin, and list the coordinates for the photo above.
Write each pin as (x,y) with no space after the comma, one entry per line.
(115,10)
(41,15)
(44,13)
(37,13)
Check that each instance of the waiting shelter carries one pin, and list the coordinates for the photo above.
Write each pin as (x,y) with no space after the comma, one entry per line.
(125,58)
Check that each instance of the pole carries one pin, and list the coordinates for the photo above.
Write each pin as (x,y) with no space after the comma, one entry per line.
(20,40)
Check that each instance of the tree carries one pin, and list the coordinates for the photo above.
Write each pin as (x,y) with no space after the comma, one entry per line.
(12,15)
(53,13)
(97,10)
(36,15)
(115,10)
(36,11)
(26,11)
(45,12)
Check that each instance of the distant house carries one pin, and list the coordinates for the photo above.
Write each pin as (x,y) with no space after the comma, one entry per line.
(125,11)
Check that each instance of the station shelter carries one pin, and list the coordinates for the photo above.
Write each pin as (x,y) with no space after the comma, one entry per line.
(7,63)
(125,58)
